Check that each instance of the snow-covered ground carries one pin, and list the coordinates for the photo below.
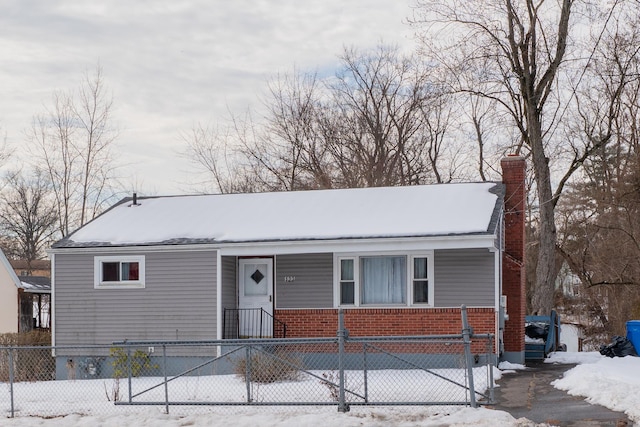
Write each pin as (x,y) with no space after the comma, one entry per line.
(614,383)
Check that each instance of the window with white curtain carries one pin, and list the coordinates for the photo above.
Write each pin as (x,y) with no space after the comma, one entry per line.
(381,279)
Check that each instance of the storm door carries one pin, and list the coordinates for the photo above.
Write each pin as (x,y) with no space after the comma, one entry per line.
(255,298)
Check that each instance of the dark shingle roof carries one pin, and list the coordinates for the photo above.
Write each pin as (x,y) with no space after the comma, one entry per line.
(35,284)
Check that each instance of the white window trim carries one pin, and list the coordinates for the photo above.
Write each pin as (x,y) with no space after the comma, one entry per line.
(337,257)
(337,282)
(411,277)
(124,284)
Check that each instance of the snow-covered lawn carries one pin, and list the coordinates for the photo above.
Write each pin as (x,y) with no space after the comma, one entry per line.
(614,383)
(611,382)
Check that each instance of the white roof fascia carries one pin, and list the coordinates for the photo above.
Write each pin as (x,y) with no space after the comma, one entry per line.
(136,248)
(359,245)
(306,246)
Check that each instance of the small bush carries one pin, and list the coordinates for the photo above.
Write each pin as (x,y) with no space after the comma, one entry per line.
(269,367)
(140,365)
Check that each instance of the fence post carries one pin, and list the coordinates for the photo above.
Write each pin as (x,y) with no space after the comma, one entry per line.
(342,335)
(11,379)
(490,357)
(129,369)
(366,373)
(247,372)
(466,336)
(166,383)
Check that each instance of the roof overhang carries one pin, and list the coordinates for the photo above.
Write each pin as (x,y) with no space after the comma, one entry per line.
(414,243)
(36,291)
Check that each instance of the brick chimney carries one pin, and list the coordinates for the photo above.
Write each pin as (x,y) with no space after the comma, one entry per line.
(513,269)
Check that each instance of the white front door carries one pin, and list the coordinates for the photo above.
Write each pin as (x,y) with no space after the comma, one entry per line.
(256,297)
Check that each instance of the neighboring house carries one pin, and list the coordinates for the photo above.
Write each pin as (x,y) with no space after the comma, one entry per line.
(36,305)
(9,285)
(399,261)
(36,267)
(24,300)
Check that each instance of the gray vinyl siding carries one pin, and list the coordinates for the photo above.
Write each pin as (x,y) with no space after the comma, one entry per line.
(178,301)
(464,276)
(313,284)
(229,282)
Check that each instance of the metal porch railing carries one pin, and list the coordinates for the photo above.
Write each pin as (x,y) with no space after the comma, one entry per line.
(240,323)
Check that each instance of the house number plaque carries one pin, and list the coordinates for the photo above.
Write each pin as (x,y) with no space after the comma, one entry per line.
(289,279)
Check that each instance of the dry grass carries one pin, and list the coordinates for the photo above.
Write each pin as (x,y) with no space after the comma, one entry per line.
(270,367)
(28,364)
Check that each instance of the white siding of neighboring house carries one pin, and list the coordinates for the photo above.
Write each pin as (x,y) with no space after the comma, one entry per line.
(8,297)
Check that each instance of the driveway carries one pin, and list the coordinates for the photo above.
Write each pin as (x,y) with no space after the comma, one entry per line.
(528,393)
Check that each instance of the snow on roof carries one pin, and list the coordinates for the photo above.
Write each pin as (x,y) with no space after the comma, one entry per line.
(424,210)
(35,284)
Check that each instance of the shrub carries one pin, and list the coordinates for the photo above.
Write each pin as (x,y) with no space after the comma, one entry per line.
(29,364)
(269,367)
(140,364)
(31,338)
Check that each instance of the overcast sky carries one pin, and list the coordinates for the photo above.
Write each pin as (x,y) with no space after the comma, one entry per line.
(171,64)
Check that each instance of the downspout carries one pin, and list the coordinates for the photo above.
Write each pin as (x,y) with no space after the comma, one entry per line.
(497,327)
(500,311)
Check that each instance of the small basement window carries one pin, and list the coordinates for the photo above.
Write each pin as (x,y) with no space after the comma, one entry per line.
(119,272)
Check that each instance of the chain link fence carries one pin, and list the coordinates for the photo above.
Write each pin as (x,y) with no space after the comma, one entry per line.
(184,376)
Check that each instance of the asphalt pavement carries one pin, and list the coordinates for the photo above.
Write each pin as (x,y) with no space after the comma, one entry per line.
(528,393)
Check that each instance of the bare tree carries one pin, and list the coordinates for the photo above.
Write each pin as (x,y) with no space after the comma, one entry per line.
(96,136)
(600,218)
(28,215)
(600,239)
(518,55)
(291,143)
(379,121)
(384,101)
(5,150)
(210,149)
(72,144)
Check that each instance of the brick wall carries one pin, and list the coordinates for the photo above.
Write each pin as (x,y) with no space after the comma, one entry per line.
(513,272)
(385,321)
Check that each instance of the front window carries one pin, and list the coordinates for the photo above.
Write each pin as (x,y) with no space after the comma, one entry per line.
(401,279)
(383,280)
(119,272)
